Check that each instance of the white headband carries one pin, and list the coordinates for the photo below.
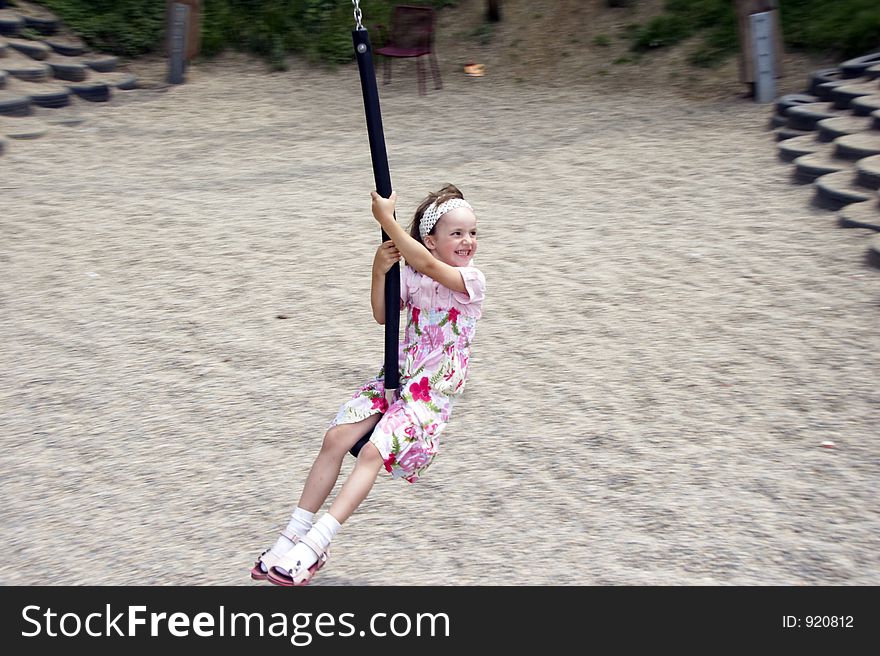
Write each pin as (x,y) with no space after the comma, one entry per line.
(433,213)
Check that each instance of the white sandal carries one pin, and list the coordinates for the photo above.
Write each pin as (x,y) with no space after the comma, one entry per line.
(303,575)
(269,558)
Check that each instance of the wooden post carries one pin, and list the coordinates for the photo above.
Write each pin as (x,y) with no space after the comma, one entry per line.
(493,11)
(747,59)
(194,31)
(179,21)
(764,55)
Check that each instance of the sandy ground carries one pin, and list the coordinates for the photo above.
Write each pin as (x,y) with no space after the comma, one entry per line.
(671,333)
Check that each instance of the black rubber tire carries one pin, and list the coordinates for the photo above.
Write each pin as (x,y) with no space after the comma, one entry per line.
(784,133)
(863,107)
(91,91)
(858,65)
(842,96)
(106,64)
(66,49)
(57,103)
(792,99)
(790,149)
(873,254)
(830,198)
(857,146)
(52,99)
(69,72)
(844,222)
(12,104)
(10,25)
(867,179)
(129,83)
(35,73)
(42,25)
(868,173)
(777,121)
(826,202)
(849,152)
(803,119)
(821,76)
(34,49)
(831,129)
(824,91)
(806,173)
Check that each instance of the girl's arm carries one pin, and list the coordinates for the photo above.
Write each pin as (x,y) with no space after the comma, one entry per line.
(417,256)
(386,256)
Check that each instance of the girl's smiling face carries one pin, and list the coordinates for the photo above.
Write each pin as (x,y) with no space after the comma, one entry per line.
(454,239)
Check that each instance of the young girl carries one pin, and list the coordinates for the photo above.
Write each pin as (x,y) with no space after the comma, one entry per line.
(443,295)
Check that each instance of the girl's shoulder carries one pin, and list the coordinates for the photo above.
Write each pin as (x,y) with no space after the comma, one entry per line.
(468,273)
(423,291)
(475,286)
(473,276)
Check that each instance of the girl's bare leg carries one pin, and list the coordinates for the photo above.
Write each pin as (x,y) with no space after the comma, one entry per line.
(325,470)
(356,488)
(358,484)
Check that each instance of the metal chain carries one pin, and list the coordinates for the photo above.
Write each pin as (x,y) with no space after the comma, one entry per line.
(357,14)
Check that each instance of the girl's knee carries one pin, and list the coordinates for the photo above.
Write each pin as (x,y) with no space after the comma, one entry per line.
(370,455)
(336,440)
(340,438)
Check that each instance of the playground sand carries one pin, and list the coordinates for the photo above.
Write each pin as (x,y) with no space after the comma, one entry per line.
(671,334)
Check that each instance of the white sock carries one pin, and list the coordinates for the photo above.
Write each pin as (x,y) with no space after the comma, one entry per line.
(300,524)
(301,556)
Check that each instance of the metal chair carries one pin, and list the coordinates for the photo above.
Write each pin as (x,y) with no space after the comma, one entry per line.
(411,35)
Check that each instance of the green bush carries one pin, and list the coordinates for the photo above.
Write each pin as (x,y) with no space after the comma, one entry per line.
(848,27)
(845,28)
(123,27)
(318,29)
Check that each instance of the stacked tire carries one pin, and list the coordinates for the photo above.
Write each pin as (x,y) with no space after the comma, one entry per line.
(831,132)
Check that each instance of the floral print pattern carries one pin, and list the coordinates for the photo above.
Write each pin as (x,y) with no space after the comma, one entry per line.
(433,370)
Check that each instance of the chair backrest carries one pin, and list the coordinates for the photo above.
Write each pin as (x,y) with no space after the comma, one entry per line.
(412,27)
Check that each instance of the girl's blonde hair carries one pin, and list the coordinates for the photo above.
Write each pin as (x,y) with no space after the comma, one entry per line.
(447,192)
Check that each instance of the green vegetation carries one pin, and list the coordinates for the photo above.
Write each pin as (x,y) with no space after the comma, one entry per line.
(850,27)
(318,29)
(123,27)
(846,28)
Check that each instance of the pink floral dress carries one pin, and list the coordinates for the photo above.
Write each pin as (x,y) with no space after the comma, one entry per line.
(434,355)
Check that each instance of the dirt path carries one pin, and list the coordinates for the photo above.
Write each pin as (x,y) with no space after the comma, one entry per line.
(670,335)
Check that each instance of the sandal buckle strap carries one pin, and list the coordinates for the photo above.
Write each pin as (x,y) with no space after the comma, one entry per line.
(290,535)
(311,544)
